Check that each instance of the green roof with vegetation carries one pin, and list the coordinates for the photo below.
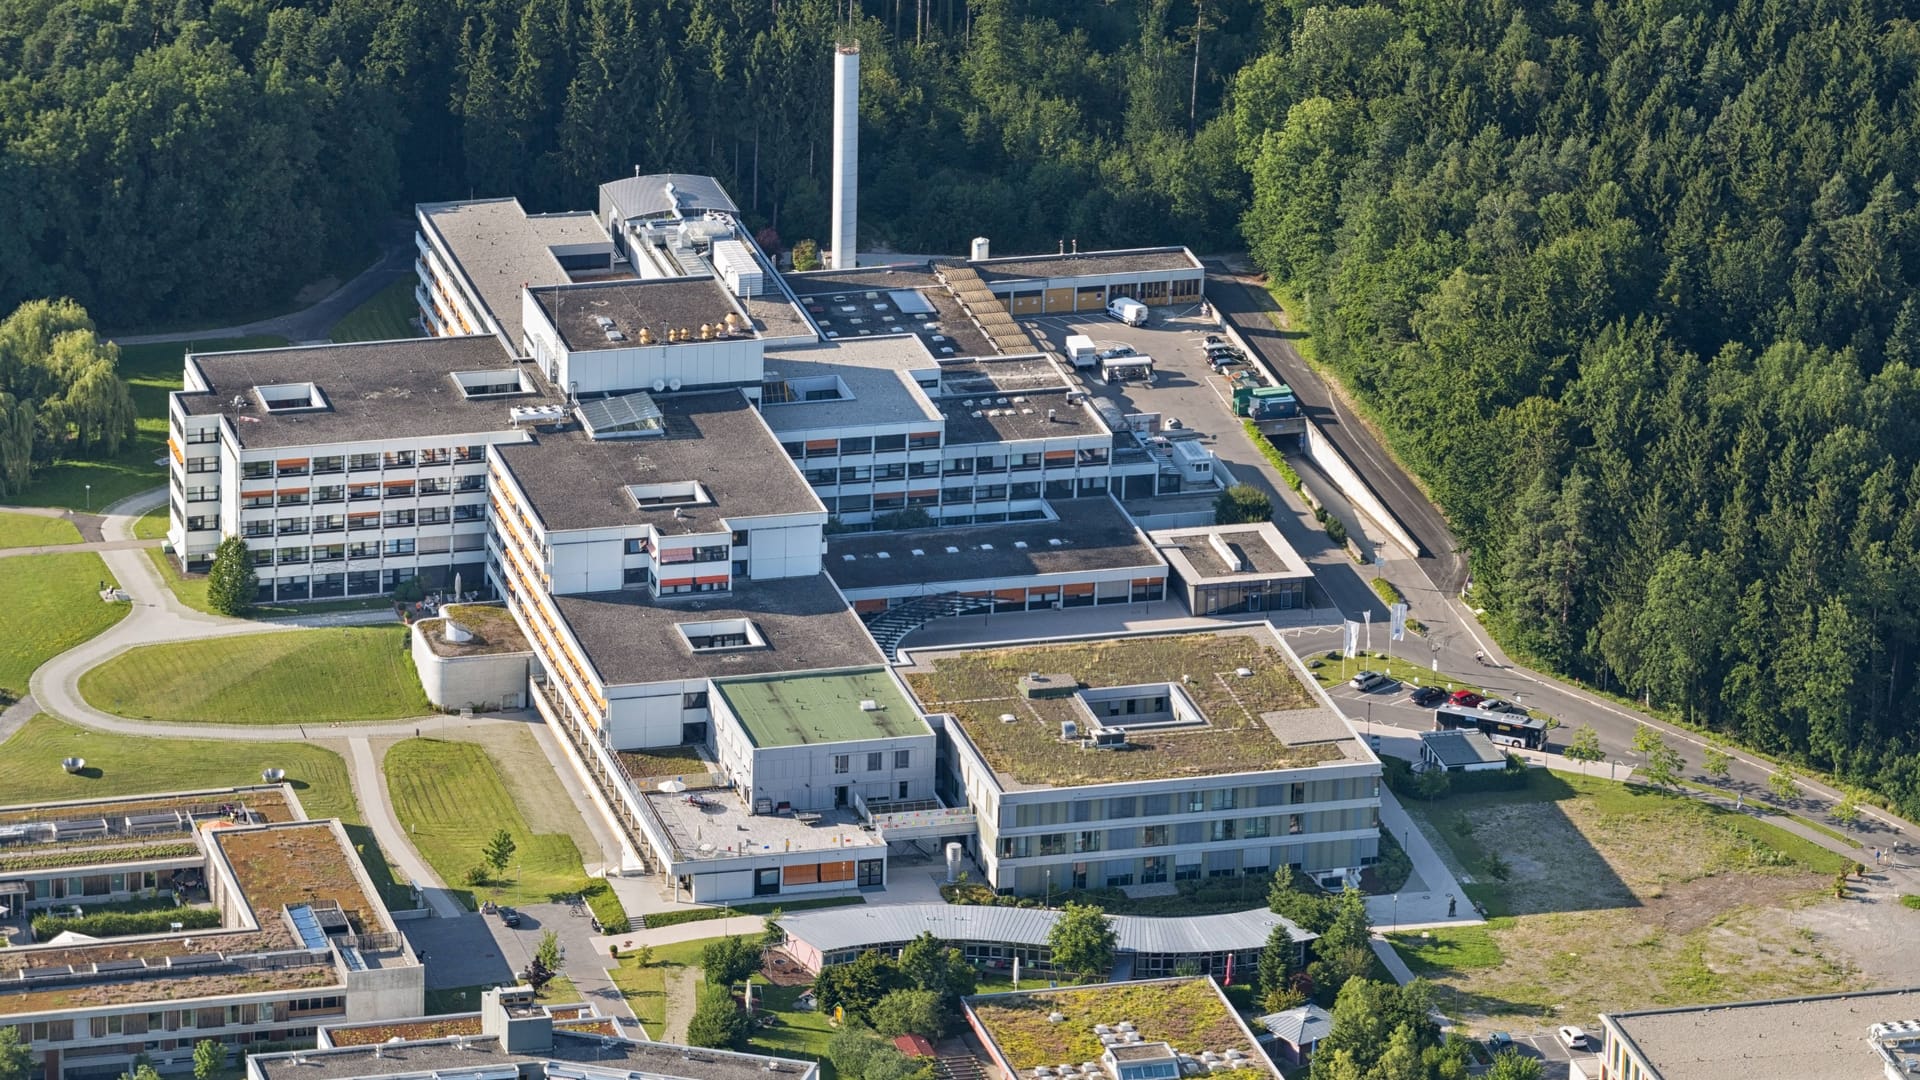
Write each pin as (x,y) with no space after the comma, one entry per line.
(822,707)
(979,688)
(1190,1015)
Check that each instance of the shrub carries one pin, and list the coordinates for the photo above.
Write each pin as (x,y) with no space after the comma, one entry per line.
(716,1022)
(125,923)
(1910,901)
(477,876)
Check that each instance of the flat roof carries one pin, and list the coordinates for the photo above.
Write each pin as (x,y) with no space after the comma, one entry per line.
(882,393)
(1259,546)
(1462,747)
(1189,1014)
(1086,264)
(454,1056)
(502,249)
(273,866)
(373,390)
(715,824)
(633,638)
(833,298)
(1019,420)
(1092,533)
(654,305)
(1808,1038)
(874,925)
(822,707)
(676,194)
(978,687)
(714,437)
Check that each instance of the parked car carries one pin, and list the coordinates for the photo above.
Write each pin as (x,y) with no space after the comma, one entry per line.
(1368,680)
(1499,705)
(1116,352)
(509,917)
(1427,696)
(1498,1041)
(1226,350)
(1466,699)
(1214,339)
(1573,1038)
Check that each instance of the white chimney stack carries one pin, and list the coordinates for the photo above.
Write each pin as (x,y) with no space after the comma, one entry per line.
(846,155)
(980,249)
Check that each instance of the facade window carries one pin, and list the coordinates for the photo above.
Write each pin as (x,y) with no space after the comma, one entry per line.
(331,494)
(329,464)
(902,758)
(929,440)
(256,470)
(695,700)
(876,761)
(471,483)
(895,471)
(436,515)
(856,446)
(842,764)
(1153,836)
(441,456)
(397,547)
(887,444)
(363,462)
(204,435)
(398,459)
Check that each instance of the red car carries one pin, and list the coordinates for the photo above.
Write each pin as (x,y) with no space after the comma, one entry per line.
(1466,699)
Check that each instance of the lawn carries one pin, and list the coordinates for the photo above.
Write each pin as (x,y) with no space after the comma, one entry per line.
(151,525)
(1603,892)
(795,1033)
(981,687)
(388,314)
(33,530)
(131,765)
(343,674)
(53,604)
(152,372)
(451,798)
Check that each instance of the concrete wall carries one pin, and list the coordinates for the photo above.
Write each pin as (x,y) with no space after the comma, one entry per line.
(1334,464)
(651,714)
(487,682)
(388,993)
(805,777)
(729,362)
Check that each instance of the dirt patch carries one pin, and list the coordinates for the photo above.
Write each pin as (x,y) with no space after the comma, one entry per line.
(682,983)
(1870,928)
(1688,906)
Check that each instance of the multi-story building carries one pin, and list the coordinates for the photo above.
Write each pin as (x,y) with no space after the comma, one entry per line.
(513,1037)
(1856,1036)
(675,465)
(287,930)
(1080,777)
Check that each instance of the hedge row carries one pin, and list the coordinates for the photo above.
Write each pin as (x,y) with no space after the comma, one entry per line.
(125,923)
(606,907)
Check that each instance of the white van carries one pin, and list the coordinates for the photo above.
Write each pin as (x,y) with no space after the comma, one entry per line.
(1129,311)
(1081,351)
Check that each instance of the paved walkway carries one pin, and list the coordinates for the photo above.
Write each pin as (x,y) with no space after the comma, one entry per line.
(370,786)
(313,323)
(1425,898)
(95,545)
(87,523)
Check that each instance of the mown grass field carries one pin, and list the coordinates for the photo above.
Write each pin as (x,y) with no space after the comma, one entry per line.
(152,372)
(345,674)
(53,603)
(388,314)
(117,765)
(1602,892)
(151,525)
(32,530)
(451,798)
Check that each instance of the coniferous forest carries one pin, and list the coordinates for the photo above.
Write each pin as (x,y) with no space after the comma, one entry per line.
(1629,283)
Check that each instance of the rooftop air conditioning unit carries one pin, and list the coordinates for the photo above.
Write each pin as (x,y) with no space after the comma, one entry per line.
(869,705)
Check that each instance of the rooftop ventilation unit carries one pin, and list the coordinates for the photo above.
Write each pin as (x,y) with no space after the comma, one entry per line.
(869,705)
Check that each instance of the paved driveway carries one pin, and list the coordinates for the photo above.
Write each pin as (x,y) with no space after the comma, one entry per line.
(585,964)
(459,952)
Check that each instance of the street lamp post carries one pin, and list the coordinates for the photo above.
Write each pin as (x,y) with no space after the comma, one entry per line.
(1615,773)
(1396,911)
(89,488)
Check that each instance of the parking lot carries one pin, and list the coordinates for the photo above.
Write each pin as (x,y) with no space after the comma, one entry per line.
(1554,1057)
(1183,387)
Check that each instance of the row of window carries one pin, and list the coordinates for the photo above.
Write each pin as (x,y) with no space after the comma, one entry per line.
(396,489)
(881,501)
(860,474)
(198,1019)
(875,761)
(1193,802)
(391,519)
(364,549)
(877,444)
(392,459)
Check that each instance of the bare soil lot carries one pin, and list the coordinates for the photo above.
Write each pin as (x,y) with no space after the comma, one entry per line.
(1607,896)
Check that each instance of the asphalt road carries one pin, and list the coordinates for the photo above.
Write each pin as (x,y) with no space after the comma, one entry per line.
(1246,309)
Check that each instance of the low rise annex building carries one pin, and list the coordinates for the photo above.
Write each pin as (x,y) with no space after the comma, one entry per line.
(300,934)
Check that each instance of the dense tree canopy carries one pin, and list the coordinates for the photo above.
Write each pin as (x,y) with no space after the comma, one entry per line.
(60,390)
(1632,286)
(161,158)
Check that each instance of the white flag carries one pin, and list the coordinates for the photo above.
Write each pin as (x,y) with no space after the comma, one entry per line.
(1353,637)
(1399,613)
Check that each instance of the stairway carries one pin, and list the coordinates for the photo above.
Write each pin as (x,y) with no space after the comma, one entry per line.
(956,1067)
(895,623)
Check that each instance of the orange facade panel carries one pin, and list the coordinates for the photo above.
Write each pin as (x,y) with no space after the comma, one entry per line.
(1084,588)
(836,871)
(174,447)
